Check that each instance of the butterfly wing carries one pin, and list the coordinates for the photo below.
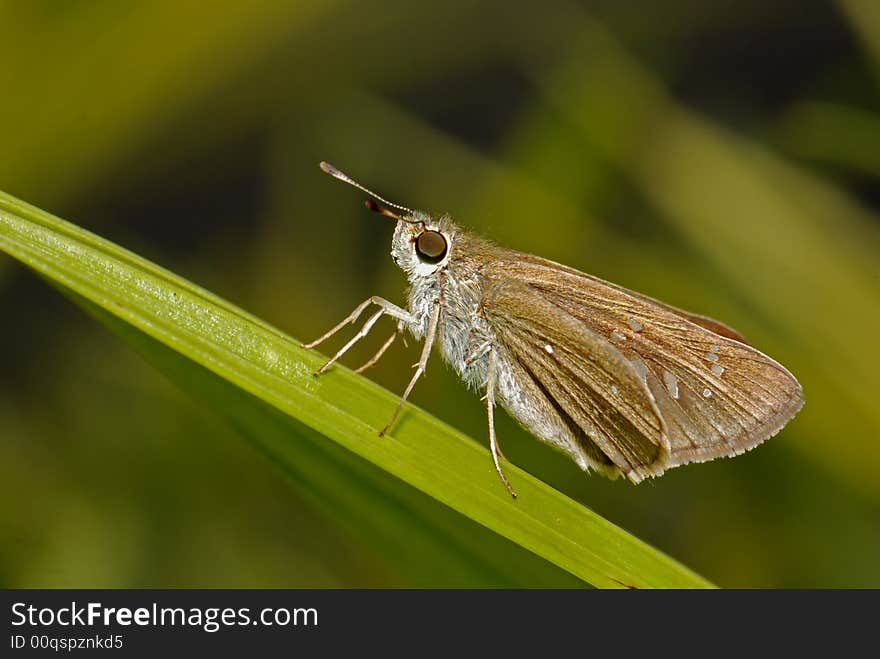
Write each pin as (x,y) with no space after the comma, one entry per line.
(583,395)
(716,395)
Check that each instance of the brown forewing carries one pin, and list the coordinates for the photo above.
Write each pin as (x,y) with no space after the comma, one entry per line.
(716,395)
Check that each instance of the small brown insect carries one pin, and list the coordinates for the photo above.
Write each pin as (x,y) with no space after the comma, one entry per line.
(621,382)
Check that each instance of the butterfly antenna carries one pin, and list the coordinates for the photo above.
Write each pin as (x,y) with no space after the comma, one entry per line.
(342,176)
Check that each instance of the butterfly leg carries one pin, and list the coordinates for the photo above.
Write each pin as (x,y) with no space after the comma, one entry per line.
(352,317)
(490,407)
(381,351)
(423,362)
(386,308)
(481,350)
(357,337)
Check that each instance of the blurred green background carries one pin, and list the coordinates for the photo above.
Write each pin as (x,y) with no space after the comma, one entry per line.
(721,156)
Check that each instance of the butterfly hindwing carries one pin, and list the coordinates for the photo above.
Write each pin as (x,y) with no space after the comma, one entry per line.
(594,389)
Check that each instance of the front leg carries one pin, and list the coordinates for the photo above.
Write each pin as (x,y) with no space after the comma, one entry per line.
(386,308)
(381,351)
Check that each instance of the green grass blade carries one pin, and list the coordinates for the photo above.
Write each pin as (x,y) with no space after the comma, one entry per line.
(408,527)
(338,414)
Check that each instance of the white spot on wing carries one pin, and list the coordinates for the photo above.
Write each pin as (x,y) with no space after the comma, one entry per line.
(714,347)
(614,389)
(711,356)
(671,383)
(617,335)
(549,349)
(640,368)
(635,325)
(707,392)
(717,370)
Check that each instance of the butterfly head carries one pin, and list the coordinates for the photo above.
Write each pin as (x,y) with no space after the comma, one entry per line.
(422,244)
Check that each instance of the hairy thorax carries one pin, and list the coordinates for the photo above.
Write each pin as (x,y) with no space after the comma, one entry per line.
(462,334)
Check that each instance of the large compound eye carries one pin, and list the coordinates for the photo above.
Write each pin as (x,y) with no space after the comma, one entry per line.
(431,246)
